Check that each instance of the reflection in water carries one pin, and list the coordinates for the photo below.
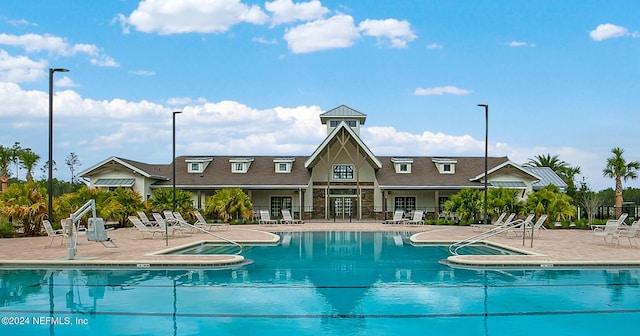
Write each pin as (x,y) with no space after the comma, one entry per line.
(330,282)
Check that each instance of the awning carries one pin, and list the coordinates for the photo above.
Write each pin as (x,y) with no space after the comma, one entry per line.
(121,182)
(509,184)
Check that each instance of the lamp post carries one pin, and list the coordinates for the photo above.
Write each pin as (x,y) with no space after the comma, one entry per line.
(486,150)
(50,180)
(173,179)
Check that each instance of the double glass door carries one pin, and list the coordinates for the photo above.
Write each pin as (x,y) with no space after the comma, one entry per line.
(344,207)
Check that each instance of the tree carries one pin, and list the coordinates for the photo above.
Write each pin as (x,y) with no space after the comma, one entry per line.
(163,200)
(229,202)
(466,204)
(549,200)
(72,162)
(501,200)
(560,167)
(5,160)
(15,157)
(26,203)
(590,202)
(618,168)
(28,160)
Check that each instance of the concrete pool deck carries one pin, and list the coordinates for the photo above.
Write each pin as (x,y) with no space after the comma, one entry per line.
(552,248)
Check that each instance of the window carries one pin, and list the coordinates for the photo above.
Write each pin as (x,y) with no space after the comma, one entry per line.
(441,201)
(404,167)
(280,203)
(405,203)
(197,165)
(240,165)
(282,167)
(343,172)
(283,164)
(350,123)
(446,167)
(195,168)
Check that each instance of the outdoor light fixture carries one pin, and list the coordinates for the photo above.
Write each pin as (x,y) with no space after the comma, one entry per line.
(486,150)
(173,200)
(50,180)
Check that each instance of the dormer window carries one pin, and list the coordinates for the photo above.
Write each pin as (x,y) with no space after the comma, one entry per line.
(197,165)
(402,165)
(445,165)
(350,123)
(240,165)
(283,165)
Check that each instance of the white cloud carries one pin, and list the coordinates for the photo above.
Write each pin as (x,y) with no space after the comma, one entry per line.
(20,69)
(262,40)
(520,44)
(434,46)
(396,33)
(441,90)
(142,72)
(191,16)
(607,31)
(285,11)
(38,43)
(336,32)
(65,82)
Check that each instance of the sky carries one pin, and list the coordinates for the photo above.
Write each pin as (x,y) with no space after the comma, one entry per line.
(252,77)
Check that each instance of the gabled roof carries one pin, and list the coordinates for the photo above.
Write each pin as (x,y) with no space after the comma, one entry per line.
(506,165)
(343,112)
(331,138)
(144,169)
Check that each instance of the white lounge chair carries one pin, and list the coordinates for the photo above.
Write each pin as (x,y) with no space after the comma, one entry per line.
(53,234)
(398,218)
(288,219)
(528,229)
(265,218)
(145,220)
(499,222)
(143,229)
(178,223)
(202,222)
(629,232)
(417,218)
(163,224)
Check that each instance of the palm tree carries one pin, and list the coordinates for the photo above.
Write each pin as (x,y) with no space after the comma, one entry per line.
(618,168)
(26,203)
(562,168)
(28,160)
(5,160)
(229,202)
(549,200)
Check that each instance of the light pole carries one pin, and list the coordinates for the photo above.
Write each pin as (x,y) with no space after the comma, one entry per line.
(486,150)
(50,180)
(173,179)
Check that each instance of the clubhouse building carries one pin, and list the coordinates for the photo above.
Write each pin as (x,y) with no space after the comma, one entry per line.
(342,179)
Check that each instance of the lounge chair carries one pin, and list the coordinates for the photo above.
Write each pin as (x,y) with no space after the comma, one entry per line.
(606,231)
(145,220)
(265,218)
(398,218)
(288,219)
(165,225)
(528,229)
(143,229)
(629,232)
(202,222)
(53,234)
(417,218)
(499,222)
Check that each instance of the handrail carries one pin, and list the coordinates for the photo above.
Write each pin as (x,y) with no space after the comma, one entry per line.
(181,222)
(453,248)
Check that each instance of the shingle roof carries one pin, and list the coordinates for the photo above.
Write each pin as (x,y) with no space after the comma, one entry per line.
(424,173)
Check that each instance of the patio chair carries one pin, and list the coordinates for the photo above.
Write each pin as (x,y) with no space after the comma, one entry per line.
(165,225)
(528,229)
(143,229)
(202,222)
(606,231)
(629,232)
(53,234)
(499,222)
(145,220)
(398,218)
(417,218)
(288,219)
(265,218)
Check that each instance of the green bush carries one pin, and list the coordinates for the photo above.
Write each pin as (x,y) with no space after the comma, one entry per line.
(6,229)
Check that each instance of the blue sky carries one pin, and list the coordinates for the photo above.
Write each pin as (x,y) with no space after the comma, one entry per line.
(560,77)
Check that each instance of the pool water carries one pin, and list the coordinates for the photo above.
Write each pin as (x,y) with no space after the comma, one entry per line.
(322,283)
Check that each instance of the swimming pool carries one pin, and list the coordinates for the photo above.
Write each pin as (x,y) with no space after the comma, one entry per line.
(322,283)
